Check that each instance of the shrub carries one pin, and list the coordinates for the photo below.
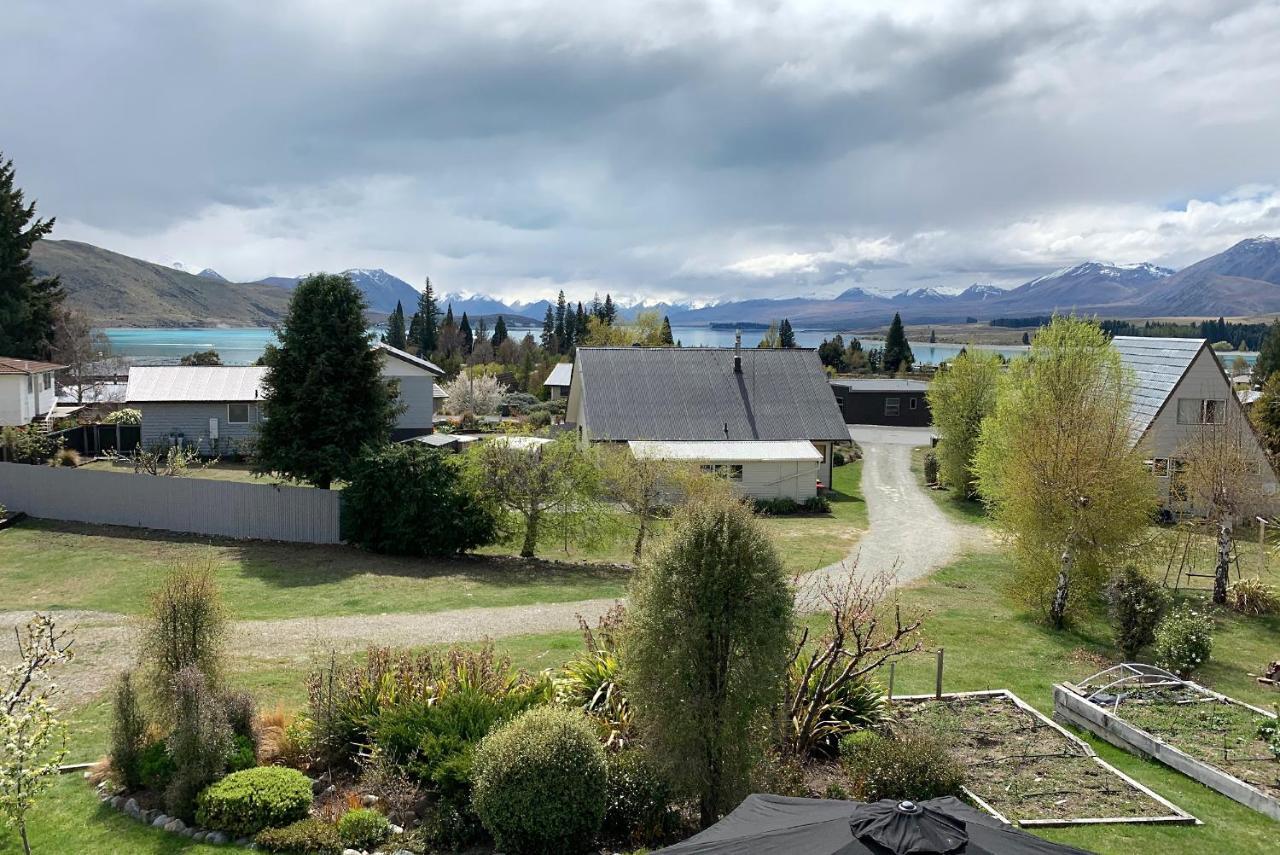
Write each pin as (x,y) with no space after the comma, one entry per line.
(781,506)
(26,444)
(244,803)
(637,800)
(155,766)
(185,628)
(363,828)
(128,734)
(396,791)
(913,765)
(930,468)
(407,499)
(123,416)
(304,837)
(1183,641)
(199,743)
(540,419)
(851,706)
(67,457)
(241,755)
(816,505)
(540,783)
(1137,603)
(1253,597)
(590,681)
(284,739)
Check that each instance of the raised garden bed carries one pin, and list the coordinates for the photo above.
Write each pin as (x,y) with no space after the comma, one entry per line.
(1207,736)
(1024,768)
(11,519)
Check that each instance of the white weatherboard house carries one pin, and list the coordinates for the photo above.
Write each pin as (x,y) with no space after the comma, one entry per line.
(27,390)
(559,380)
(216,408)
(1180,386)
(763,418)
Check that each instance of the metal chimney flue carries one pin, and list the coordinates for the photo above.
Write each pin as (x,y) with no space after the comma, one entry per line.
(737,352)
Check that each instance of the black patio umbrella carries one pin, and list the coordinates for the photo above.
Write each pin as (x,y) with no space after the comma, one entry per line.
(779,825)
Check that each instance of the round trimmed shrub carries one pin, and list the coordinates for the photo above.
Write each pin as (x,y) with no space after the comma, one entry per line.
(244,803)
(637,799)
(539,783)
(363,828)
(304,837)
(1137,603)
(913,765)
(1184,641)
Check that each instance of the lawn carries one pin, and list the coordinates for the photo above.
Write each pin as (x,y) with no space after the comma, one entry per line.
(957,507)
(47,565)
(217,471)
(806,542)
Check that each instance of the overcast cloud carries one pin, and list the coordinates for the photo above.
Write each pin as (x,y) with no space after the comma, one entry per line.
(712,150)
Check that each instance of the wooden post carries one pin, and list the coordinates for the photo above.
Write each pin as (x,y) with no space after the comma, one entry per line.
(889,701)
(1262,546)
(937,692)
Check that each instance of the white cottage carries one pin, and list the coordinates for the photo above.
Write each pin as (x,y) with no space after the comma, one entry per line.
(27,390)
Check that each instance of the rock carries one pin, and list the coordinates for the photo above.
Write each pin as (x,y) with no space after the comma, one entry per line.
(243,842)
(150,816)
(395,829)
(117,802)
(131,807)
(402,852)
(199,836)
(161,821)
(175,826)
(215,838)
(188,832)
(352,852)
(368,800)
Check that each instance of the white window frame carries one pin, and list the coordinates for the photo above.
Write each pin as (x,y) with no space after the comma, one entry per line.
(728,471)
(247,415)
(1160,467)
(892,406)
(1205,408)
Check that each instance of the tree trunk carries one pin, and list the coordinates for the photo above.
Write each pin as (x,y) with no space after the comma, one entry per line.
(530,535)
(22,832)
(640,538)
(1222,572)
(1058,609)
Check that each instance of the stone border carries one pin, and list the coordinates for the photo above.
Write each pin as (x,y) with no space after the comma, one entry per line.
(1070,705)
(1176,815)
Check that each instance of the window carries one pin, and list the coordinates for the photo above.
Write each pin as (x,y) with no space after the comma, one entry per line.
(238,414)
(891,406)
(1201,411)
(1160,467)
(31,386)
(914,402)
(728,471)
(48,380)
(1178,482)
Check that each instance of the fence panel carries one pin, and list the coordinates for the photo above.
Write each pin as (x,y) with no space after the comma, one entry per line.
(194,505)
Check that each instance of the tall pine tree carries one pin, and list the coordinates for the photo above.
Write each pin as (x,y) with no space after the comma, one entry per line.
(28,304)
(897,353)
(395,335)
(428,337)
(786,337)
(667,339)
(561,337)
(499,332)
(580,326)
(468,338)
(610,311)
(549,332)
(324,395)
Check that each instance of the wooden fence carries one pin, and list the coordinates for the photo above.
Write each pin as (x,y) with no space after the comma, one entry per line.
(183,504)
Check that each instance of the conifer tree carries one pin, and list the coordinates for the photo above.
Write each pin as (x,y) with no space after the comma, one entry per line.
(667,338)
(468,338)
(1268,355)
(448,317)
(395,335)
(499,332)
(786,338)
(428,314)
(560,324)
(597,308)
(481,331)
(548,332)
(28,304)
(580,326)
(897,352)
(610,311)
(324,396)
(933,337)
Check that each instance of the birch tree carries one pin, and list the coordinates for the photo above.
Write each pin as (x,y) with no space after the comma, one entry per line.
(637,484)
(960,397)
(1058,469)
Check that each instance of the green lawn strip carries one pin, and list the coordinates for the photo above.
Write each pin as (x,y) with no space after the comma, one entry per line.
(958,508)
(217,471)
(46,565)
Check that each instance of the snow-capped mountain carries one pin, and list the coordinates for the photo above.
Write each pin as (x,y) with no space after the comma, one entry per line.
(210,273)
(381,289)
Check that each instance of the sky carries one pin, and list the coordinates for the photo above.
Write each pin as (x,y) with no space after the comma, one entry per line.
(678,150)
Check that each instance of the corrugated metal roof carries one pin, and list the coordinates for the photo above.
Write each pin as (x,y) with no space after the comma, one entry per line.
(9,365)
(1157,365)
(693,393)
(882,385)
(403,356)
(156,384)
(711,451)
(561,375)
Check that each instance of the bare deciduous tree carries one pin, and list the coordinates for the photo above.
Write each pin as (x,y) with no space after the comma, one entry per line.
(637,484)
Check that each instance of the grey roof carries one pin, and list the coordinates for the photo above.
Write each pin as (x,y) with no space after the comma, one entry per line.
(882,385)
(1157,365)
(403,356)
(561,375)
(693,393)
(154,384)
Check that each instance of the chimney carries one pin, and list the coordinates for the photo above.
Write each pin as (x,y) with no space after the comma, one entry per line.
(737,352)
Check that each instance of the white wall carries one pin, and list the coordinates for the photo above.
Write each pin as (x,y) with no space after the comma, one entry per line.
(19,406)
(417,392)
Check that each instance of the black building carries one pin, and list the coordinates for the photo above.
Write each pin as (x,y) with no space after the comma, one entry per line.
(883,402)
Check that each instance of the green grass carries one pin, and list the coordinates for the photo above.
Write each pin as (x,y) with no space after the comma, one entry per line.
(218,471)
(957,507)
(45,565)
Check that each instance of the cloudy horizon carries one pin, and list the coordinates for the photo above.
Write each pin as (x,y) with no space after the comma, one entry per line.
(669,150)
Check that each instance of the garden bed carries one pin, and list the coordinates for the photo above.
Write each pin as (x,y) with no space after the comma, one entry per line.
(1024,768)
(11,519)
(1207,736)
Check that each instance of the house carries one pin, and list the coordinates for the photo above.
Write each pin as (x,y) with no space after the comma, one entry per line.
(1180,387)
(900,403)
(27,390)
(763,418)
(217,407)
(559,380)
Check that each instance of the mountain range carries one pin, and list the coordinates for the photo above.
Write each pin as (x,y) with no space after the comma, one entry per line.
(1241,281)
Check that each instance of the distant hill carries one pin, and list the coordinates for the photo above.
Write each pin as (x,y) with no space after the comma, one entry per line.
(379,287)
(116,290)
(1244,278)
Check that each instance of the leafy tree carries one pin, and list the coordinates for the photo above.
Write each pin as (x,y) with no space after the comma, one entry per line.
(770,338)
(202,357)
(1268,361)
(832,353)
(407,499)
(28,304)
(82,349)
(468,393)
(530,484)
(706,646)
(1058,469)
(667,339)
(324,395)
(395,335)
(499,332)
(637,484)
(897,352)
(468,337)
(185,627)
(786,338)
(960,397)
(1266,414)
(600,334)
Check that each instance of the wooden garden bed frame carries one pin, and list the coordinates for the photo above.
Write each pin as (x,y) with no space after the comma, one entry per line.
(1175,816)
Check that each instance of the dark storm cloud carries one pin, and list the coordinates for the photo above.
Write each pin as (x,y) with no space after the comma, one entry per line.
(662,148)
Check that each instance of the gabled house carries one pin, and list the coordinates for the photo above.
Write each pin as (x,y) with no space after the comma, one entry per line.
(216,407)
(1180,387)
(27,390)
(559,380)
(763,418)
